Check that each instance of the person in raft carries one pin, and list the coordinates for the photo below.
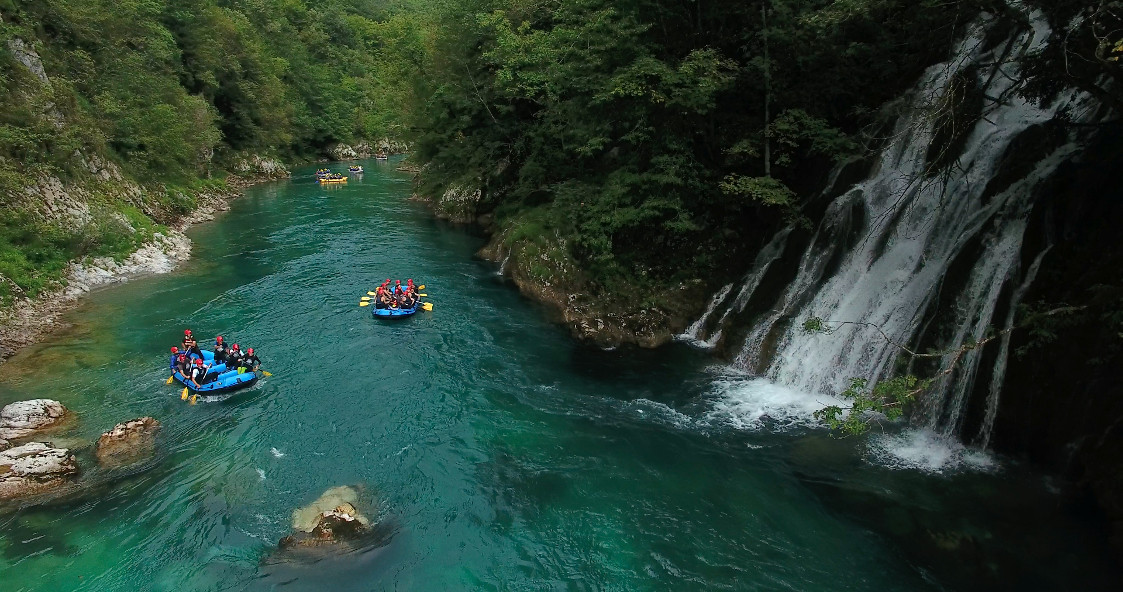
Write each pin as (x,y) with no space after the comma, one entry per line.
(381,298)
(190,346)
(234,357)
(219,351)
(199,373)
(172,360)
(182,364)
(251,362)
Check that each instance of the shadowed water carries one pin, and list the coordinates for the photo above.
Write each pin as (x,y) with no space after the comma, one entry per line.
(499,454)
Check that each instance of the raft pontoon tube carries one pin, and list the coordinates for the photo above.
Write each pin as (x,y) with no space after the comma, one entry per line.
(394,312)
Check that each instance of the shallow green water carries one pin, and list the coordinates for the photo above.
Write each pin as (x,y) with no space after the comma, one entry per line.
(500,454)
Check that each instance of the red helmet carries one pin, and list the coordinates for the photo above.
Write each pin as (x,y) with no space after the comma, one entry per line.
(250,351)
(397,281)
(410,281)
(235,346)
(218,339)
(175,350)
(181,357)
(198,362)
(187,331)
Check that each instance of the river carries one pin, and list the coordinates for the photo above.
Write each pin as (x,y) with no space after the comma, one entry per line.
(501,454)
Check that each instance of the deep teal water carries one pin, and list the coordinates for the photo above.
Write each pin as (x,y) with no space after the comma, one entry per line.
(499,454)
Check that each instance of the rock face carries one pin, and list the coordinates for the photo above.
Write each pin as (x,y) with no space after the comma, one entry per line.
(25,55)
(34,468)
(128,443)
(368,149)
(330,520)
(24,418)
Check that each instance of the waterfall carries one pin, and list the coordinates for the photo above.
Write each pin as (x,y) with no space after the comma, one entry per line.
(909,245)
(696,333)
(1004,351)
(693,333)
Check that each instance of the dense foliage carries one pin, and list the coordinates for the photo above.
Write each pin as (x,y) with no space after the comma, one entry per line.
(172,91)
(635,132)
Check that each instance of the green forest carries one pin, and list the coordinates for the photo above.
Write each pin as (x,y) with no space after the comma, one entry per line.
(634,143)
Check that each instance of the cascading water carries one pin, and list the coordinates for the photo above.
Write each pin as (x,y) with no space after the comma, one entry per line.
(697,332)
(879,263)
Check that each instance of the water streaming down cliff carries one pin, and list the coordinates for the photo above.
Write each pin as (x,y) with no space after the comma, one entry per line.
(928,249)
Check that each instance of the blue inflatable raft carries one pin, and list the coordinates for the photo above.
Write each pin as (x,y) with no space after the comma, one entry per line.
(220,379)
(393,313)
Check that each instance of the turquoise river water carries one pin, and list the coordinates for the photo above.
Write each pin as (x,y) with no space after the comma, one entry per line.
(497,453)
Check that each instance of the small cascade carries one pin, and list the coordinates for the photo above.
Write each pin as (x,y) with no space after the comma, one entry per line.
(503,264)
(983,439)
(696,334)
(693,332)
(918,253)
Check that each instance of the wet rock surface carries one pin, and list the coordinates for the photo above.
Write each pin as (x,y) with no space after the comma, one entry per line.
(34,468)
(128,443)
(26,418)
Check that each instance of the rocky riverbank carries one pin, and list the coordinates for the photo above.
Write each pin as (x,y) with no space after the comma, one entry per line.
(544,271)
(29,319)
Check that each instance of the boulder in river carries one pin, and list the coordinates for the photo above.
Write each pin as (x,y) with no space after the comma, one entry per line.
(128,442)
(34,468)
(25,418)
(330,520)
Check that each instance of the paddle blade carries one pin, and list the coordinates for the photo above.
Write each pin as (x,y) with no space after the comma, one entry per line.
(421,287)
(372,293)
(365,298)
(183,395)
(420,294)
(364,303)
(267,373)
(170,379)
(194,398)
(427,306)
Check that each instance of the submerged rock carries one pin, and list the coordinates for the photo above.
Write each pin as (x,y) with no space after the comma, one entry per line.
(34,468)
(127,443)
(24,418)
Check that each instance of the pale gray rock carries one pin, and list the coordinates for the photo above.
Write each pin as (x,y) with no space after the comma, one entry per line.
(34,468)
(24,418)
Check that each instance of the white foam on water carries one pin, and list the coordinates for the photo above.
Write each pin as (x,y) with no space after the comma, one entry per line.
(925,450)
(659,412)
(261,473)
(276,453)
(754,403)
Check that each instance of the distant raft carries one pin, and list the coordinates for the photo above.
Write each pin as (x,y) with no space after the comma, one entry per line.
(358,170)
(227,379)
(332,180)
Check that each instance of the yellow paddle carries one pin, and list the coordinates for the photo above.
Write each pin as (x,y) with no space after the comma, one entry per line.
(426,306)
(364,303)
(365,298)
(267,373)
(193,399)
(170,379)
(183,395)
